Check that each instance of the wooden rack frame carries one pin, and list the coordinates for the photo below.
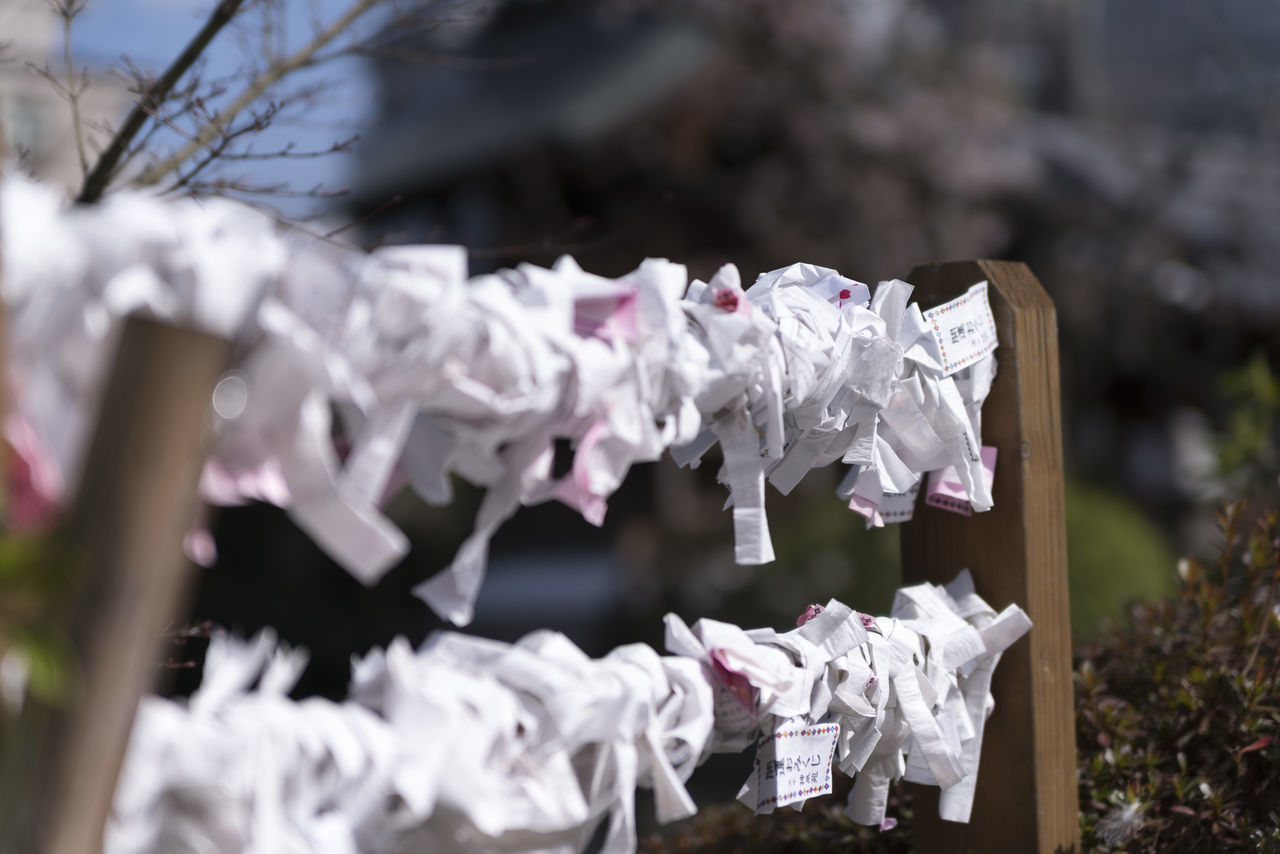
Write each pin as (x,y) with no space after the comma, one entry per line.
(1026,794)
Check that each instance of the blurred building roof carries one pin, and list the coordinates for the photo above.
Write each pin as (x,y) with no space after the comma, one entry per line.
(35,119)
(532,73)
(1194,63)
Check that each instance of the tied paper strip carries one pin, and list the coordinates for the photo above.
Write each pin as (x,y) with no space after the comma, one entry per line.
(474,745)
(423,373)
(946,492)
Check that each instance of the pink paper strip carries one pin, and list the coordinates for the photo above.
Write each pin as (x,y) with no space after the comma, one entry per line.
(947,493)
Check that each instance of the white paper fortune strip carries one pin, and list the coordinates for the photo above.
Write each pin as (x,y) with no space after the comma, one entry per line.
(431,373)
(474,745)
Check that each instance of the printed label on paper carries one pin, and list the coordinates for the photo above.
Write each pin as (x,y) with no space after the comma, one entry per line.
(894,508)
(964,329)
(794,763)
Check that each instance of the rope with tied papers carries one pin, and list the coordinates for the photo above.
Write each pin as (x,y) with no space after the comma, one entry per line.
(430,373)
(474,745)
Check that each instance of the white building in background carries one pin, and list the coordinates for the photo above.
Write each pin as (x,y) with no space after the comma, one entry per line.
(35,119)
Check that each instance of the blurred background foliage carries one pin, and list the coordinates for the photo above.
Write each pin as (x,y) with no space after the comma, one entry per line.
(1115,555)
(1125,149)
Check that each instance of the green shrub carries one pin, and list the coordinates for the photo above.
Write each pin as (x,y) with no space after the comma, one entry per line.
(1178,712)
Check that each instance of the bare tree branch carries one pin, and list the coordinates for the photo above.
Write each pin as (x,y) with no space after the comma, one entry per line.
(214,120)
(183,101)
(218,149)
(106,167)
(301,58)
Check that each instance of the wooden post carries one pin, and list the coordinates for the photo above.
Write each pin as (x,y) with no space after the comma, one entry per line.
(135,501)
(1017,552)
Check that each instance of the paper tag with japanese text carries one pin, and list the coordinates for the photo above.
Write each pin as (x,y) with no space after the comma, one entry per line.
(964,329)
(794,763)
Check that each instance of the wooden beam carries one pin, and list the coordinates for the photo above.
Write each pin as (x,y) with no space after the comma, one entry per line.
(1026,789)
(135,500)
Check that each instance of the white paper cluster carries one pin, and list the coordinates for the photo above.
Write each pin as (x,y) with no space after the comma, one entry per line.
(432,374)
(474,745)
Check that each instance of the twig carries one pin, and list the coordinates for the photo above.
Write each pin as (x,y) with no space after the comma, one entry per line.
(219,148)
(235,188)
(168,121)
(1268,614)
(1267,617)
(288,152)
(435,59)
(552,242)
(380,209)
(105,169)
(69,12)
